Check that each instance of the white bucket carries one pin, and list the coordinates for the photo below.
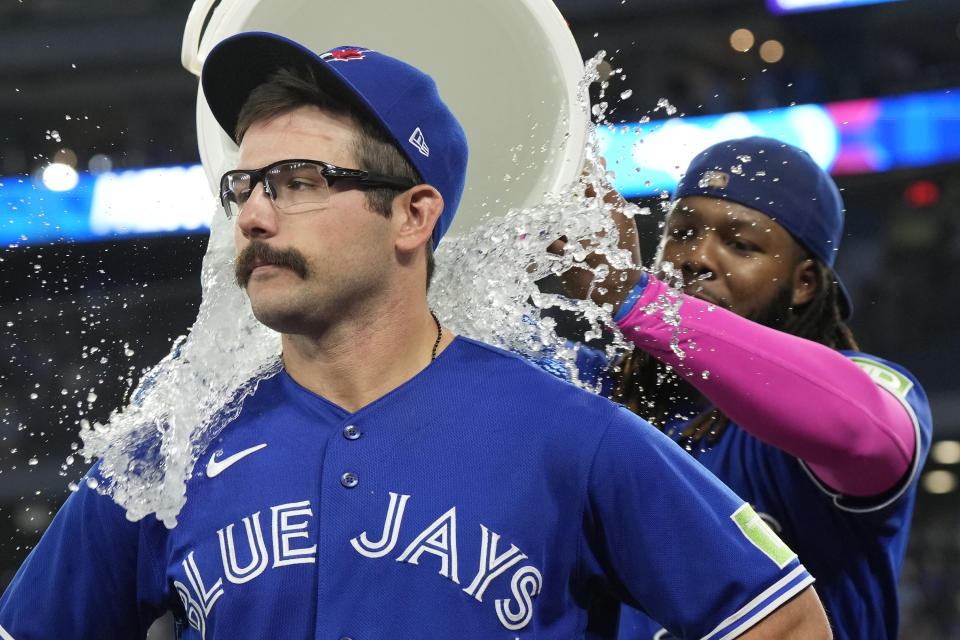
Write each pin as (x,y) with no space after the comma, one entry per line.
(509,70)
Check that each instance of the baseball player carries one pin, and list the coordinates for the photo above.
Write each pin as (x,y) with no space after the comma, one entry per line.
(766,387)
(391,480)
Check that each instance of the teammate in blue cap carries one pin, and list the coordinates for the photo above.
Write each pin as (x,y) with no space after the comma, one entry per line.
(771,393)
(391,480)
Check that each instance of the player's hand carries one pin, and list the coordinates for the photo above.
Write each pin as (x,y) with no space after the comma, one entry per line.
(577,282)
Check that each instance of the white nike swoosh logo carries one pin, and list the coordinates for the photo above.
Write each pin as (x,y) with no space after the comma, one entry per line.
(216,467)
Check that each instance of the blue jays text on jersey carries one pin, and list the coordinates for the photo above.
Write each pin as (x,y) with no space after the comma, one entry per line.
(481,499)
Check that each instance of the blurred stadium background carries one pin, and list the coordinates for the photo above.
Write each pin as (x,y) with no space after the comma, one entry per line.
(96,88)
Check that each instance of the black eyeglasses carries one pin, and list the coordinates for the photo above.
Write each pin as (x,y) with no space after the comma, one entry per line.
(296,186)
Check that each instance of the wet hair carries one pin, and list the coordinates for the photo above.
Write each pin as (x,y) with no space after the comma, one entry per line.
(653,390)
(375,150)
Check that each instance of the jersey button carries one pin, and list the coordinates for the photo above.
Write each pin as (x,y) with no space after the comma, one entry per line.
(351,432)
(349,480)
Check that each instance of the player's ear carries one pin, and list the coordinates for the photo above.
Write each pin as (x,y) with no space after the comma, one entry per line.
(805,282)
(415,212)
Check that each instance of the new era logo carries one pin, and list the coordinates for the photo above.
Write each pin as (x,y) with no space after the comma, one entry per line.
(418,141)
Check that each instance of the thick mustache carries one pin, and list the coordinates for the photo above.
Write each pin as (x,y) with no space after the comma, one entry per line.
(258,253)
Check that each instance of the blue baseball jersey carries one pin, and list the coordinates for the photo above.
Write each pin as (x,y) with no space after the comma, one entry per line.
(483,498)
(853,547)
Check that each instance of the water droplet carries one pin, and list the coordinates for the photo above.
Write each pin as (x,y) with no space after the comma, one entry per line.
(626,94)
(705,375)
(664,104)
(32,462)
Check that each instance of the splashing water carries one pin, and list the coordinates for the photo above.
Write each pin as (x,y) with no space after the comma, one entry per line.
(149,448)
(484,287)
(485,282)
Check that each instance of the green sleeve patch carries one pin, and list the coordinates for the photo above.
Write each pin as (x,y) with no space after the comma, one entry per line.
(762,536)
(886,377)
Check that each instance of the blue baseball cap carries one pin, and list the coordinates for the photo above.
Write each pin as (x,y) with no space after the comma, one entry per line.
(400,97)
(780,181)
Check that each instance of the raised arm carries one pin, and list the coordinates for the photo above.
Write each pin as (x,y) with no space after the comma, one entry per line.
(795,394)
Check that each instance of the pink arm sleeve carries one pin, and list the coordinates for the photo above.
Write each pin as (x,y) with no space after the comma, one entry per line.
(794,394)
